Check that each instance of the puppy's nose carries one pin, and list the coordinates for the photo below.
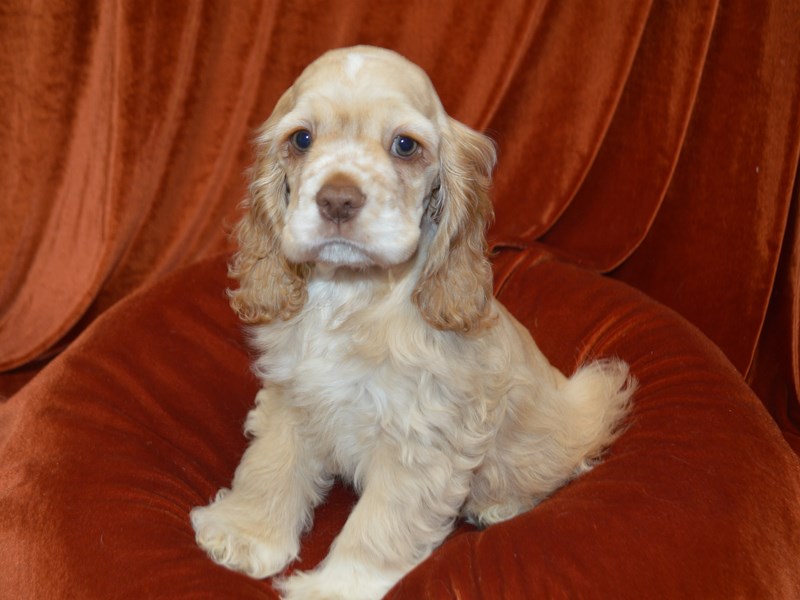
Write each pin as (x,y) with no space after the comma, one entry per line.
(339,201)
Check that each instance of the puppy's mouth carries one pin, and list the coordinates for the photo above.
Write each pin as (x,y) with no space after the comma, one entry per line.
(342,252)
(386,244)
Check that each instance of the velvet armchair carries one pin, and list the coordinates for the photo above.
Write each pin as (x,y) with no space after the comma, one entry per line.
(646,206)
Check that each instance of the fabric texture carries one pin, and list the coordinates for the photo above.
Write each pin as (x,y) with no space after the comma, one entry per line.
(646,205)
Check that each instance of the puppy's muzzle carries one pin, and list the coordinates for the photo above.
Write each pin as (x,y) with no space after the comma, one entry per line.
(339,200)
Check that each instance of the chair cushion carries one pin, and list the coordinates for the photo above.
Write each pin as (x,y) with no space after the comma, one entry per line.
(105,452)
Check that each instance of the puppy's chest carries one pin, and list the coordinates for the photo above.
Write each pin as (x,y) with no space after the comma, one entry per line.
(337,371)
(350,391)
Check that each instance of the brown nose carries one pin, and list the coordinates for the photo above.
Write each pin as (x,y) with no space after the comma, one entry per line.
(339,201)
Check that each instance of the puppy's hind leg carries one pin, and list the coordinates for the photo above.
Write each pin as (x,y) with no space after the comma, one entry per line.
(558,432)
(255,526)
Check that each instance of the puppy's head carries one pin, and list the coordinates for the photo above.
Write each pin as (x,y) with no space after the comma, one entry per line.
(356,160)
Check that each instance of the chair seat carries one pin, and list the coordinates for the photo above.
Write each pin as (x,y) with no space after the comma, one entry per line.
(105,452)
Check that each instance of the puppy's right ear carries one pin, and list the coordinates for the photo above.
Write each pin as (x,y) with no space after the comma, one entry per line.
(269,286)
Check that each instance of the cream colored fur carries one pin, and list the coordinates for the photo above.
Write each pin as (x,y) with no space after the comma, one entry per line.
(384,358)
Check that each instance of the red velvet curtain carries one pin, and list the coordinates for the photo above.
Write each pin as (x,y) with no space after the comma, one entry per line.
(657,142)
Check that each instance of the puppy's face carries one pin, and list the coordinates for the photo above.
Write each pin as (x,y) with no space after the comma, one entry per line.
(357,137)
(356,161)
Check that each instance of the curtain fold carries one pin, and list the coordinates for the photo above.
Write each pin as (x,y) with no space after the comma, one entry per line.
(552,123)
(632,171)
(713,249)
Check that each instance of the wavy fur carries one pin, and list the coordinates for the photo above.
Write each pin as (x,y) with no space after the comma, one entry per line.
(270,287)
(455,287)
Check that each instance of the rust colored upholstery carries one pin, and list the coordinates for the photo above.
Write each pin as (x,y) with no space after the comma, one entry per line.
(646,207)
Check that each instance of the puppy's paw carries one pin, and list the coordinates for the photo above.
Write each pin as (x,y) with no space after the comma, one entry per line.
(489,514)
(229,541)
(328,583)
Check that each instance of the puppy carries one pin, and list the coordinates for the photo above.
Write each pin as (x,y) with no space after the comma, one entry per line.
(384,358)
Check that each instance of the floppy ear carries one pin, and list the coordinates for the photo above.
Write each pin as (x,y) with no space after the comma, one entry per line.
(269,286)
(455,288)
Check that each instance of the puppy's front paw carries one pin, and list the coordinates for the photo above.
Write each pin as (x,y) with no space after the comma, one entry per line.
(326,583)
(229,541)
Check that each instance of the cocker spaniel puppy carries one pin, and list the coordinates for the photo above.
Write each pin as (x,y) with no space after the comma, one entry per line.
(384,358)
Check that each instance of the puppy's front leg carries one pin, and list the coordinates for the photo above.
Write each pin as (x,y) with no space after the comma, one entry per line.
(255,526)
(407,507)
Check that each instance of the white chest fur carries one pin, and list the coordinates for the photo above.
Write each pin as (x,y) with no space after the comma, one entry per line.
(364,369)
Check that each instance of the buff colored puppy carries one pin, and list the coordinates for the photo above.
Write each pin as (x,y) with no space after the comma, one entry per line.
(384,358)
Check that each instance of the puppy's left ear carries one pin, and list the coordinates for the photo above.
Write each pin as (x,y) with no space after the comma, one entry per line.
(454,291)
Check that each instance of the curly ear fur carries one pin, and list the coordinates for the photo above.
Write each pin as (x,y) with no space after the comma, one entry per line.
(269,286)
(454,291)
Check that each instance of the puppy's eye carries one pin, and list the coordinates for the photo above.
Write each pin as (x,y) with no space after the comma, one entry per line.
(301,139)
(404,146)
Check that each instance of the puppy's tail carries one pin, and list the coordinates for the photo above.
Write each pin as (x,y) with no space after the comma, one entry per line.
(596,399)
(550,438)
